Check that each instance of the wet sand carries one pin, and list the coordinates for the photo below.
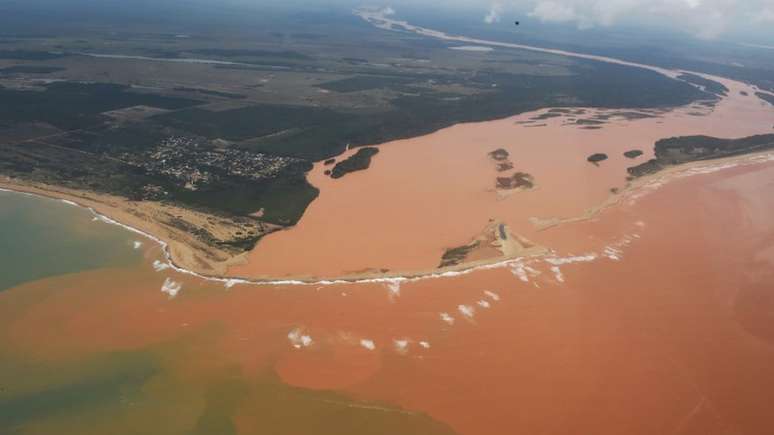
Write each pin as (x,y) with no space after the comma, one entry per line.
(424,195)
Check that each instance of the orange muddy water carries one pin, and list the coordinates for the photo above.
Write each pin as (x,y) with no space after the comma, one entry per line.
(666,330)
(652,317)
(424,195)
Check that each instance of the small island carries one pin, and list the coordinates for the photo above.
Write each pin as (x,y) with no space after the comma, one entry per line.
(359,161)
(455,256)
(504,166)
(519,180)
(499,155)
(632,154)
(684,149)
(329,162)
(596,158)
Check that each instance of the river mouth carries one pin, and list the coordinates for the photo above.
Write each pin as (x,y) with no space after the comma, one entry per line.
(667,317)
(647,311)
(426,199)
(425,196)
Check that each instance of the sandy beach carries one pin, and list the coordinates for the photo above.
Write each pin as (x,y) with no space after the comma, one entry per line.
(152,219)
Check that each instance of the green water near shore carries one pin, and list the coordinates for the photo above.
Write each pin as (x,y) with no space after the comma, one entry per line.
(60,268)
(40,238)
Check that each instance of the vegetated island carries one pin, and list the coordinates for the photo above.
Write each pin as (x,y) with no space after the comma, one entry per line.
(684,149)
(632,154)
(457,255)
(501,157)
(519,180)
(596,158)
(359,161)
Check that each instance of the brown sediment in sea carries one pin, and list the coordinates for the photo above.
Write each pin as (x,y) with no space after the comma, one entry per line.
(651,318)
(650,314)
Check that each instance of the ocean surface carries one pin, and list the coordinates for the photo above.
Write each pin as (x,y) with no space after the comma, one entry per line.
(665,327)
(92,342)
(42,237)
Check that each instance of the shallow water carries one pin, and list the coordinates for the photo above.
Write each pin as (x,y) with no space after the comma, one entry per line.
(43,238)
(91,344)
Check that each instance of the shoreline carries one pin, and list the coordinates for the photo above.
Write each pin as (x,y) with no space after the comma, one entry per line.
(172,247)
(211,259)
(181,249)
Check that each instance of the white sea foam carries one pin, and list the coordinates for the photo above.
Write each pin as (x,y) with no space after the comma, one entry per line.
(558,261)
(483,303)
(492,295)
(368,344)
(425,344)
(466,310)
(68,202)
(401,345)
(613,253)
(170,287)
(522,270)
(158,266)
(232,282)
(394,287)
(446,317)
(521,273)
(557,273)
(298,339)
(136,244)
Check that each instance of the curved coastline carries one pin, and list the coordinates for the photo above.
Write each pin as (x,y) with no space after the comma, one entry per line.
(635,190)
(173,258)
